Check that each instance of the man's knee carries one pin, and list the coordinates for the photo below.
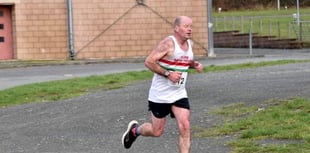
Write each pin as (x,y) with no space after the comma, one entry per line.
(158,132)
(184,128)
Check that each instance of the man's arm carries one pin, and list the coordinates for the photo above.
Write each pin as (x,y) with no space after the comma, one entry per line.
(163,49)
(196,65)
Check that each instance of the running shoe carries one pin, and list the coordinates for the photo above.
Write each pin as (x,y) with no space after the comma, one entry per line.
(130,135)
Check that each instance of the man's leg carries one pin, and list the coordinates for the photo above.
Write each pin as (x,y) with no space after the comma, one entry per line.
(182,116)
(154,129)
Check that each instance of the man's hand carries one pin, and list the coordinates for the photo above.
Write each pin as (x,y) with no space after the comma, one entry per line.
(198,66)
(175,76)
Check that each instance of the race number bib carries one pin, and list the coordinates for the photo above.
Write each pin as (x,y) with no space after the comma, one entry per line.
(181,82)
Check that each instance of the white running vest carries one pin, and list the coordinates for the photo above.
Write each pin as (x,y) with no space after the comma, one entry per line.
(162,89)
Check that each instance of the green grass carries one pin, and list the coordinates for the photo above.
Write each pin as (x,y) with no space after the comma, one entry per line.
(264,22)
(64,89)
(278,120)
(265,12)
(213,68)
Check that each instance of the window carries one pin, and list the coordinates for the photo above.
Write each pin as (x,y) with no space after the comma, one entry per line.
(1,26)
(1,13)
(1,39)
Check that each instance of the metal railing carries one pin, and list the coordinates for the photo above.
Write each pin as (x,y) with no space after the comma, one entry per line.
(302,30)
(283,26)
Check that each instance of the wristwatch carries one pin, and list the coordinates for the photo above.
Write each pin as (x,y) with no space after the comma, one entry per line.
(167,73)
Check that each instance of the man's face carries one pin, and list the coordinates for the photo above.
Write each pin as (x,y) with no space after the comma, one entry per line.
(185,28)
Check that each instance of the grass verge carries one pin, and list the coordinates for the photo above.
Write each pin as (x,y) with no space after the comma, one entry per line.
(263,129)
(64,89)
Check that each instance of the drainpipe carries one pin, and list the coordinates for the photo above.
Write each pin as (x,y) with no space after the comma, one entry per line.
(70,30)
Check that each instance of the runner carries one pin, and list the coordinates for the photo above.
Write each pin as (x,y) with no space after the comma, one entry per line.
(170,62)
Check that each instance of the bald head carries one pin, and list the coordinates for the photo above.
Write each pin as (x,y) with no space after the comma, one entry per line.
(178,21)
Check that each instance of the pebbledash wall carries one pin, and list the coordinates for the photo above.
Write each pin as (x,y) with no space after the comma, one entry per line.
(103,29)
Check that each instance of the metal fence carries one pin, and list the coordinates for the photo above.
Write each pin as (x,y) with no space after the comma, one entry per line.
(302,30)
(280,26)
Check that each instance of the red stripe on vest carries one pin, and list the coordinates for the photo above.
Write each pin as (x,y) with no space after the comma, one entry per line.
(176,63)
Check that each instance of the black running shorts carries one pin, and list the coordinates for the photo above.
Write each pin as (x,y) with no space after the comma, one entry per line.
(160,110)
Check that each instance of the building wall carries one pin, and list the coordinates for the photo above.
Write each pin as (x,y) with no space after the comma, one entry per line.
(41,29)
(102,28)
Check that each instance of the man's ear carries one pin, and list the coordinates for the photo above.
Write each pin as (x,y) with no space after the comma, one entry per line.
(176,28)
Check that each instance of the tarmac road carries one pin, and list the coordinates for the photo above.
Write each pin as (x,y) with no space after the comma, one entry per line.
(94,123)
